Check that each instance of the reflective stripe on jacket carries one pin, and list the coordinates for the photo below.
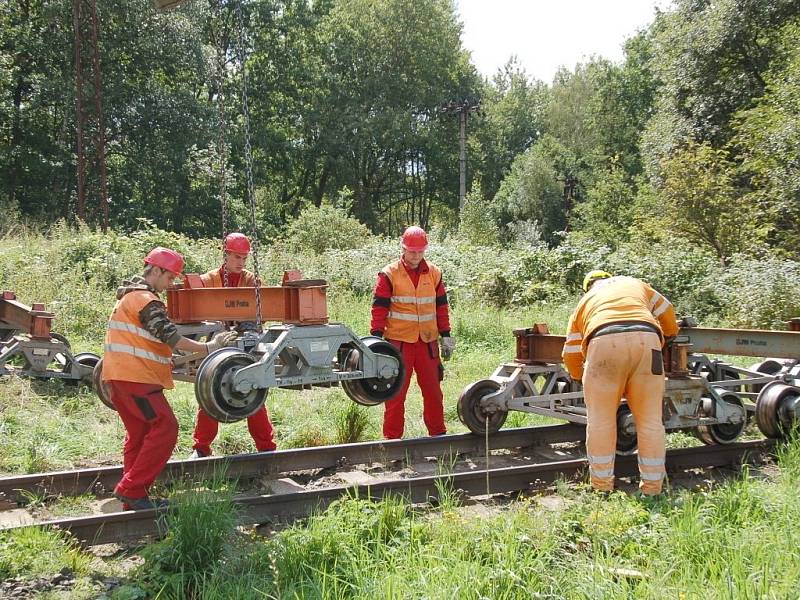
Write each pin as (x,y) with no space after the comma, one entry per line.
(131,353)
(215,279)
(614,300)
(412,310)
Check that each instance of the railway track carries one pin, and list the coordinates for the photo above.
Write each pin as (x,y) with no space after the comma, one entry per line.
(101,480)
(535,474)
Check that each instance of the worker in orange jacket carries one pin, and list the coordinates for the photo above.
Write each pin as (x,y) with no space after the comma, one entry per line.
(232,273)
(614,341)
(137,367)
(410,310)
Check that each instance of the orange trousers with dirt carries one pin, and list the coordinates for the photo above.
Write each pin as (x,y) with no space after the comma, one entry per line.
(625,365)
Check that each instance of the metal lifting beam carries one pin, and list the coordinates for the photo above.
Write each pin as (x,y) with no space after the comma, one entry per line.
(15,316)
(298,302)
(537,345)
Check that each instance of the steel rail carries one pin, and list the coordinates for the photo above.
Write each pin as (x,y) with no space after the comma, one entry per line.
(134,525)
(245,466)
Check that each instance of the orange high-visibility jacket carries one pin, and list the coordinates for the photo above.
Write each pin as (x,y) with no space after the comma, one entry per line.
(412,312)
(131,352)
(214,279)
(614,300)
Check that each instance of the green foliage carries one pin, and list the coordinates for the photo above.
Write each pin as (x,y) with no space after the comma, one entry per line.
(607,213)
(768,136)
(703,204)
(532,191)
(317,229)
(478,223)
(351,424)
(33,551)
(200,525)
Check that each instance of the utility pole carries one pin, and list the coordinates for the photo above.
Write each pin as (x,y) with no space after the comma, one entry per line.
(89,122)
(461,108)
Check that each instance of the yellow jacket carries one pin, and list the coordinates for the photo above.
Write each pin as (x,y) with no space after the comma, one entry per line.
(614,300)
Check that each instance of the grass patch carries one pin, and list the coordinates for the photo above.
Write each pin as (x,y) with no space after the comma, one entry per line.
(33,551)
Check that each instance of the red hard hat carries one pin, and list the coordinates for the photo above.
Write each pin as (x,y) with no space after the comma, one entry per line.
(236,242)
(414,239)
(166,259)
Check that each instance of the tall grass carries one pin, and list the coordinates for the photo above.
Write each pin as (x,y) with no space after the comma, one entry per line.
(736,540)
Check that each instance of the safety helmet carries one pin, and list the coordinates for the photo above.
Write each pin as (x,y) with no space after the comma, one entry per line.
(237,242)
(166,259)
(414,239)
(593,276)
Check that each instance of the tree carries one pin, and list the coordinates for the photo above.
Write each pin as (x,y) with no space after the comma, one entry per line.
(703,203)
(607,213)
(532,191)
(768,138)
(511,120)
(710,57)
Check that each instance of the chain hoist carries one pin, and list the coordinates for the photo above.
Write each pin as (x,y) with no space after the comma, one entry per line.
(219,83)
(248,160)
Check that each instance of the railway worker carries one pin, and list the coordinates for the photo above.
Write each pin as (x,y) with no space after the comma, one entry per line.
(614,341)
(137,368)
(232,273)
(410,310)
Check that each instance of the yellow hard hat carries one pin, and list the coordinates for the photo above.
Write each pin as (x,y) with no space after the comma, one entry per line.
(593,276)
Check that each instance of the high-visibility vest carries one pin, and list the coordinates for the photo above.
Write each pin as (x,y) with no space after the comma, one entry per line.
(214,279)
(615,300)
(131,352)
(412,311)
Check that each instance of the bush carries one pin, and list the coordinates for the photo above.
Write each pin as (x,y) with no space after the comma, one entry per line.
(317,229)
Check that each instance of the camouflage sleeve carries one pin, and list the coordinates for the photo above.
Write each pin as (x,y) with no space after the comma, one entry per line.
(155,320)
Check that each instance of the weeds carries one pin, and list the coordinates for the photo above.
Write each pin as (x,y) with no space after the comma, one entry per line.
(351,424)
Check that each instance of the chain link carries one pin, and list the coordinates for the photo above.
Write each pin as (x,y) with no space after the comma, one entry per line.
(248,161)
(219,83)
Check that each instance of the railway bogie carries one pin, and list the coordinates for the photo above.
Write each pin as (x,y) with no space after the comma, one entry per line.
(707,396)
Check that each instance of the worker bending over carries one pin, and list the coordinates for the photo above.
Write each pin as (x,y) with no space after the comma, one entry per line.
(618,330)
(137,367)
(232,273)
(410,310)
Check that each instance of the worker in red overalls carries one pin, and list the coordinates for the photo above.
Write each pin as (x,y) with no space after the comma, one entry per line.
(137,367)
(410,310)
(232,273)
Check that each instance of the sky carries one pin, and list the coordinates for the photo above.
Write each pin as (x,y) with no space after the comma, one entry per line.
(546,34)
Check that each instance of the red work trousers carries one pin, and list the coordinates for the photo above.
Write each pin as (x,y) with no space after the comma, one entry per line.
(259,425)
(151,431)
(421,358)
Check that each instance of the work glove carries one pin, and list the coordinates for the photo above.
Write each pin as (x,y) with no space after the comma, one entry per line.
(446,346)
(221,340)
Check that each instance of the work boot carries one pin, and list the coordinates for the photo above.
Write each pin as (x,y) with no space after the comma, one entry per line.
(142,503)
(197,453)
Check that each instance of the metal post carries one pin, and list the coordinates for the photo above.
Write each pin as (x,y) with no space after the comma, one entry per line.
(462,160)
(462,109)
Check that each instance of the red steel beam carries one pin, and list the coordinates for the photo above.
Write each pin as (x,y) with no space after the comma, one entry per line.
(293,304)
(33,320)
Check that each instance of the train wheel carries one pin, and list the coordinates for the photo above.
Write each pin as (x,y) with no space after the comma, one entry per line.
(88,361)
(214,386)
(471,413)
(776,409)
(724,433)
(101,388)
(374,390)
(627,442)
(769,366)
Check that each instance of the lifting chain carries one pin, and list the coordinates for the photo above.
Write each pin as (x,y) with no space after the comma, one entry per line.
(248,161)
(219,83)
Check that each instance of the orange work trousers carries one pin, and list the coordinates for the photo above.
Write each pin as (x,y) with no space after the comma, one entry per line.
(625,365)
